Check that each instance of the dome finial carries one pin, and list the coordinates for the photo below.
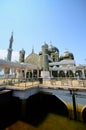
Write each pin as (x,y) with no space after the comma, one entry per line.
(50,42)
(66,49)
(32,49)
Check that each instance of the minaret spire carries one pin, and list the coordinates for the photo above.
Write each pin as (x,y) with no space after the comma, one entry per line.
(33,49)
(9,55)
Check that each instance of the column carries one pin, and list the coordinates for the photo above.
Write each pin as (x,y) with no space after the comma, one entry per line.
(83,74)
(25,73)
(23,108)
(37,73)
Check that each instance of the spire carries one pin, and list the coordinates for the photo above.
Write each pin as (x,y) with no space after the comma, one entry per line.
(11,39)
(50,42)
(9,55)
(33,49)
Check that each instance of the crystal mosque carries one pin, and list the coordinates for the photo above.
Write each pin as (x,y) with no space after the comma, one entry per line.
(49,61)
(57,65)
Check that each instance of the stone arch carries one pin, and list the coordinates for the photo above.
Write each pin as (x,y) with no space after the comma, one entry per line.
(84,113)
(62,101)
(65,104)
(50,104)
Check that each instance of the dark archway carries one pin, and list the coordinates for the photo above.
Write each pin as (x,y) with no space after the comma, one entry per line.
(69,73)
(40,105)
(9,109)
(29,74)
(54,73)
(61,73)
(84,115)
(78,74)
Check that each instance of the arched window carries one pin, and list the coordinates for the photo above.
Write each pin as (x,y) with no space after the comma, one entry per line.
(69,73)
(61,73)
(78,73)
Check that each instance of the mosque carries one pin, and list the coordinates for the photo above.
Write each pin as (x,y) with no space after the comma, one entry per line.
(57,65)
(49,61)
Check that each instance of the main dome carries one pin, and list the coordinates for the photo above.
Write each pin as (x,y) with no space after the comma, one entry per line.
(66,55)
(33,58)
(53,49)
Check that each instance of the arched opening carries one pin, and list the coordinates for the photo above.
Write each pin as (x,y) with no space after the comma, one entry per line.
(29,74)
(61,73)
(54,73)
(84,115)
(78,74)
(23,73)
(69,73)
(41,105)
(9,109)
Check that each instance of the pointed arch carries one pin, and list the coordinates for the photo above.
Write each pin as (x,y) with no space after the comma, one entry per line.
(84,113)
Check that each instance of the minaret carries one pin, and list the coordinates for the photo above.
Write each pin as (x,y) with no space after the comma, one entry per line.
(22,55)
(45,57)
(45,72)
(9,55)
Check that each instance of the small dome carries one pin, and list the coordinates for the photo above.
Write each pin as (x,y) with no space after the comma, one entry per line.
(45,45)
(67,55)
(22,51)
(53,49)
(33,58)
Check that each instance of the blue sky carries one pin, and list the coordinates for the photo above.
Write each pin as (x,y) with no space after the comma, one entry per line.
(34,21)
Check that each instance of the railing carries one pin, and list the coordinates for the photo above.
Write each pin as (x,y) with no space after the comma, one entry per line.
(57,82)
(18,82)
(65,82)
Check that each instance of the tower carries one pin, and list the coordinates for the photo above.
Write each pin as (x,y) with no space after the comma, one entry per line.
(45,72)
(22,55)
(45,57)
(9,55)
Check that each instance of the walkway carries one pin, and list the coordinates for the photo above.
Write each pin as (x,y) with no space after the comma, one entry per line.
(22,84)
(18,84)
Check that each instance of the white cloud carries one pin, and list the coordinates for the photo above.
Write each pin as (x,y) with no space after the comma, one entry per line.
(15,55)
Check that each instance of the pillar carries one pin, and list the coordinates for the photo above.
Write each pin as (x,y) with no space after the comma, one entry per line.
(73,110)
(32,74)
(45,57)
(74,106)
(19,74)
(37,73)
(25,73)
(23,108)
(83,74)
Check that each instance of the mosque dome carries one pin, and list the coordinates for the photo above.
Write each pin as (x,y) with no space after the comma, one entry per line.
(33,58)
(22,51)
(67,55)
(53,49)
